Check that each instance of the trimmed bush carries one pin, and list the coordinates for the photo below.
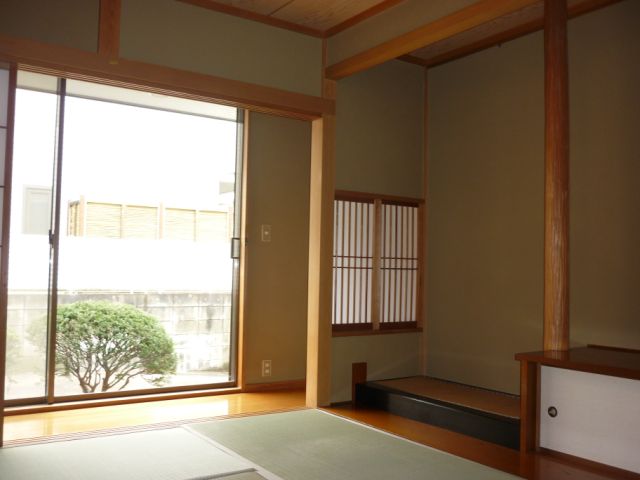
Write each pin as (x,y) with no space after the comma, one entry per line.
(104,345)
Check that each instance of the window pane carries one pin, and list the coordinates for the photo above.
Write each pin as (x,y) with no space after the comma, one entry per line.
(34,144)
(138,185)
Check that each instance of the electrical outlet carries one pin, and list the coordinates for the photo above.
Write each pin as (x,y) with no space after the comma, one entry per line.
(266,368)
(265,233)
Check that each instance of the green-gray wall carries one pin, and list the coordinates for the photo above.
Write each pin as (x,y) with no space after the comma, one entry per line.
(379,130)
(72,23)
(184,36)
(605,176)
(486,158)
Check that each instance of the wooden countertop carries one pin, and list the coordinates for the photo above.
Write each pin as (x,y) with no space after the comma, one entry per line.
(612,361)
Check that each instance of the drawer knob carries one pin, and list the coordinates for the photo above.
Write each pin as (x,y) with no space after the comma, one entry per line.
(553,412)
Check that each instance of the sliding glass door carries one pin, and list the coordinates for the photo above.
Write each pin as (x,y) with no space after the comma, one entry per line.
(124,211)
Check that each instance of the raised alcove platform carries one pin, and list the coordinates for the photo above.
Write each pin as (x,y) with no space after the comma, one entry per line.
(477,412)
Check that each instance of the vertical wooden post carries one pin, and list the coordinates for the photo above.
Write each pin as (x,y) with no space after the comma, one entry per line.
(320,263)
(376,272)
(358,375)
(244,259)
(421,288)
(320,288)
(529,391)
(109,29)
(556,196)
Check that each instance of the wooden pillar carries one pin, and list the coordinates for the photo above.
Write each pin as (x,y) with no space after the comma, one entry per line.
(109,29)
(320,263)
(320,287)
(421,305)
(556,195)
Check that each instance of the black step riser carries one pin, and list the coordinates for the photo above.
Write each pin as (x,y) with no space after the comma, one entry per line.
(502,431)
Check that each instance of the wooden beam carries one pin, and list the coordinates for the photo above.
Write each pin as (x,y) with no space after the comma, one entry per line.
(445,27)
(79,64)
(109,29)
(556,198)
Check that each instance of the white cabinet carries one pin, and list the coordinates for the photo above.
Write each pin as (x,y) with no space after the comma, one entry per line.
(598,416)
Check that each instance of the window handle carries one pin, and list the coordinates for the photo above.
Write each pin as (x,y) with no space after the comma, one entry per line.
(235,248)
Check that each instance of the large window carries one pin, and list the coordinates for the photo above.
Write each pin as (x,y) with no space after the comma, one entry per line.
(124,207)
(376,262)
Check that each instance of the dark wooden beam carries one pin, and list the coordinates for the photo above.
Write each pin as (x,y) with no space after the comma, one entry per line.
(556,195)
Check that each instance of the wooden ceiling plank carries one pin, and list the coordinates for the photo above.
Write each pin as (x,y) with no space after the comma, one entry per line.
(332,16)
(322,14)
(460,21)
(362,16)
(256,17)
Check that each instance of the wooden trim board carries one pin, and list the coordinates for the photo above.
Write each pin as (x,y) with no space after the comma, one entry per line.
(78,64)
(274,386)
(109,29)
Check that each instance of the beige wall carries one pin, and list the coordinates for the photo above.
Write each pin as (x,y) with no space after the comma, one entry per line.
(379,142)
(278,195)
(486,199)
(72,23)
(605,176)
(187,37)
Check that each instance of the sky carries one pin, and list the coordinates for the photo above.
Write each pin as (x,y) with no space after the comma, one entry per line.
(121,154)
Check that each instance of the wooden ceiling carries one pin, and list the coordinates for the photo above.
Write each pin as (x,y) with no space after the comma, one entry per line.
(320,18)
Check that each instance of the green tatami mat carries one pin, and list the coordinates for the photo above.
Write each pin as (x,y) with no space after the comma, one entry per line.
(310,445)
(172,454)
